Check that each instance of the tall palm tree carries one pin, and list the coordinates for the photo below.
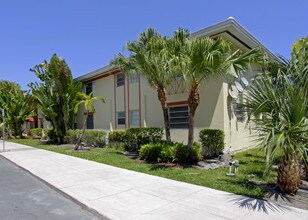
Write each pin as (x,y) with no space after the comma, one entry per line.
(150,57)
(279,107)
(199,59)
(88,102)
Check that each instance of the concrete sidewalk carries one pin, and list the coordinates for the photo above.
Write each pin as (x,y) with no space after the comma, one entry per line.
(122,194)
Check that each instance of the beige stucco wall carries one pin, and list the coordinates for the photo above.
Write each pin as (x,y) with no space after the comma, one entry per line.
(214,111)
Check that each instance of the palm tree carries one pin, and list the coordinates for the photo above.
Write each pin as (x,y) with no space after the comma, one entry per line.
(150,58)
(199,59)
(88,102)
(279,109)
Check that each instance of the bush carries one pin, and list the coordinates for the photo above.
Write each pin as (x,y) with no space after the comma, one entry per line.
(135,137)
(117,136)
(183,154)
(117,146)
(72,136)
(36,132)
(141,136)
(212,142)
(95,138)
(151,152)
(170,152)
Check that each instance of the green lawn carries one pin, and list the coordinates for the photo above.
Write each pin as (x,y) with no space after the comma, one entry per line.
(251,168)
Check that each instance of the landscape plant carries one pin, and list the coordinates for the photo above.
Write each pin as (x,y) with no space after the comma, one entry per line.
(55,95)
(18,105)
(149,57)
(212,142)
(88,102)
(278,106)
(200,59)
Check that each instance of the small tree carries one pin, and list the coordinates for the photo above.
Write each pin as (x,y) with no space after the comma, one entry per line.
(279,105)
(18,105)
(55,95)
(88,102)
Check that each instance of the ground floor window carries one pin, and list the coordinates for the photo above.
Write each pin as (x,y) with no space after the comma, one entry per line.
(134,117)
(90,122)
(121,118)
(178,116)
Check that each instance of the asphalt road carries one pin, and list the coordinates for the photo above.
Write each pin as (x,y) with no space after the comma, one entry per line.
(23,196)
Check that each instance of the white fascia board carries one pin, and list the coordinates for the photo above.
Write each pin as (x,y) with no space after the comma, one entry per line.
(95,73)
(231,22)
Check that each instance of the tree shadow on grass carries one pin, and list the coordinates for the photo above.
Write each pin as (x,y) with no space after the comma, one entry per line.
(258,205)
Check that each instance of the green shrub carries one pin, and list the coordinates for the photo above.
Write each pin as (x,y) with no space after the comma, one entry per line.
(117,136)
(95,138)
(120,146)
(72,136)
(135,137)
(183,154)
(170,152)
(212,142)
(151,152)
(141,136)
(36,132)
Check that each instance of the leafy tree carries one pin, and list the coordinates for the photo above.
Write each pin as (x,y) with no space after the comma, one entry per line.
(88,102)
(149,57)
(199,59)
(56,95)
(280,108)
(18,105)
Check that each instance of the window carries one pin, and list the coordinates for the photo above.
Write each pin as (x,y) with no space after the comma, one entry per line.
(120,79)
(90,122)
(178,117)
(134,117)
(89,88)
(133,79)
(121,118)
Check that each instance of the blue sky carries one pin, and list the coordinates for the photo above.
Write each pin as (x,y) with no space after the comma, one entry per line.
(88,33)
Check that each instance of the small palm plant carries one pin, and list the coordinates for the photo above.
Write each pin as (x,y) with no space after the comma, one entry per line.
(278,106)
(88,102)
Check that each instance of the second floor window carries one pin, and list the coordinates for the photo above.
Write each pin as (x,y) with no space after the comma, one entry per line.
(120,79)
(89,88)
(133,79)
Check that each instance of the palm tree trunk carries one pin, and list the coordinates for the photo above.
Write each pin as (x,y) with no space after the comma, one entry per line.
(193,102)
(288,178)
(82,133)
(161,93)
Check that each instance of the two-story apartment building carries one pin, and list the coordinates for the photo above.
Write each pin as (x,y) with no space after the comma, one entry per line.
(131,102)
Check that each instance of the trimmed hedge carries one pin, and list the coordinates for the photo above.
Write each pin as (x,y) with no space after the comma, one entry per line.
(95,138)
(117,136)
(212,142)
(135,137)
(36,132)
(170,152)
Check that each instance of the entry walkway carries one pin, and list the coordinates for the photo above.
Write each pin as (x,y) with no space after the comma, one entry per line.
(122,194)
